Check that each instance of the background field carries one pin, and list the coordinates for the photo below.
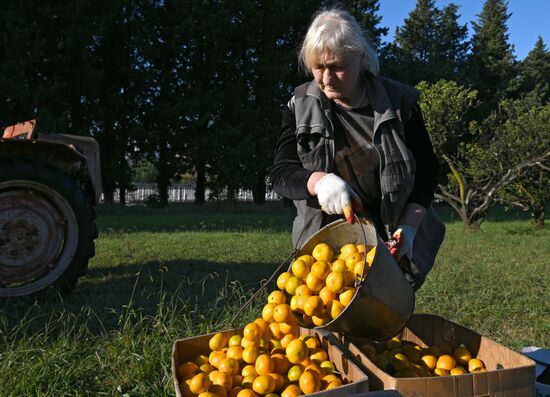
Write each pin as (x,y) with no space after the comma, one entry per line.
(159,275)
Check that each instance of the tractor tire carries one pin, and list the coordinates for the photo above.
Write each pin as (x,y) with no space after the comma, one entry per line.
(47,228)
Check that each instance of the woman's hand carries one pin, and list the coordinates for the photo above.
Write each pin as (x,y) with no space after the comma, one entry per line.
(335,196)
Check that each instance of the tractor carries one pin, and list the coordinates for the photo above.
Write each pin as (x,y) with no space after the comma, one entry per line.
(50,185)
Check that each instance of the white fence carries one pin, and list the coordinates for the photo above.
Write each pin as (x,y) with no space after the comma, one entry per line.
(180,193)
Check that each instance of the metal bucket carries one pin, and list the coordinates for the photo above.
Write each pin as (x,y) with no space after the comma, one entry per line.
(384,300)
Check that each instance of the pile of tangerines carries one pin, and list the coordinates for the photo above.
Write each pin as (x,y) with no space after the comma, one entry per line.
(321,285)
(404,359)
(270,358)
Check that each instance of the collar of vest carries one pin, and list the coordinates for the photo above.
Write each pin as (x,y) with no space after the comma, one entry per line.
(376,92)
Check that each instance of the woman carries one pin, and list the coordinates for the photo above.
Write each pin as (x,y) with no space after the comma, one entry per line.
(353,141)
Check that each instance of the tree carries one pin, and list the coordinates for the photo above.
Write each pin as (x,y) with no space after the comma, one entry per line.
(366,13)
(534,74)
(430,46)
(472,154)
(491,64)
(523,125)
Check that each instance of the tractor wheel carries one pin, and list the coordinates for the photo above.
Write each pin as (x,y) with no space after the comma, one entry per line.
(47,228)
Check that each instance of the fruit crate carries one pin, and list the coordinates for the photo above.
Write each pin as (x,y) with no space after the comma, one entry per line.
(356,381)
(509,374)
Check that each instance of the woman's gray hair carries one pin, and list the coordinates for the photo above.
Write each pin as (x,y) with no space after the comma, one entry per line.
(337,31)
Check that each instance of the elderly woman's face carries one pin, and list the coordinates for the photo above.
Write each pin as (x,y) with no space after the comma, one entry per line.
(338,75)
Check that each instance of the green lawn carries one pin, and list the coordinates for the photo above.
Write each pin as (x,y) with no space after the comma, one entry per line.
(159,275)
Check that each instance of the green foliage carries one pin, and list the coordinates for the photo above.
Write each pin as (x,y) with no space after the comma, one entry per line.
(522,132)
(491,64)
(430,46)
(482,159)
(533,80)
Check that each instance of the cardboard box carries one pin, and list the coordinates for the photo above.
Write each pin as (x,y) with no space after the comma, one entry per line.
(542,369)
(509,374)
(356,380)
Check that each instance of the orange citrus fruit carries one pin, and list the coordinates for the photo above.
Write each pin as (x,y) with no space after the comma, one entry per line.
(346,295)
(295,372)
(285,340)
(303,290)
(458,370)
(299,268)
(296,351)
(218,341)
(335,282)
(352,259)
(323,252)
(221,378)
(264,384)
(187,370)
(327,295)
(320,319)
(446,361)
(267,311)
(318,355)
(252,331)
(292,391)
(247,393)
(399,362)
(229,365)
(307,259)
(462,355)
(321,269)
(370,256)
(282,279)
(314,283)
(441,372)
(292,284)
(339,265)
(428,361)
(276,297)
(334,308)
(347,249)
(264,364)
(235,352)
(310,382)
(475,364)
(250,354)
(281,312)
(199,383)
(313,305)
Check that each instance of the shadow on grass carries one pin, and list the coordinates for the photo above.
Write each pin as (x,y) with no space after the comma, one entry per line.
(197,286)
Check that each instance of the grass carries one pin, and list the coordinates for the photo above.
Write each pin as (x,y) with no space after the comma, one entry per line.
(160,275)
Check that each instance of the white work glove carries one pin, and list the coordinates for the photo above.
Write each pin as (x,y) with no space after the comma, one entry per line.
(335,196)
(406,234)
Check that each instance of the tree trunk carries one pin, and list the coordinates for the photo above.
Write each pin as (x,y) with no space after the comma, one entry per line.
(258,193)
(108,195)
(122,195)
(200,187)
(538,216)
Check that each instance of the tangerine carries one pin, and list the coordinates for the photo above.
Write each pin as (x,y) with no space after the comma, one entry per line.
(218,341)
(282,279)
(314,283)
(446,361)
(296,351)
(321,269)
(264,384)
(335,282)
(313,305)
(264,364)
(299,268)
(310,382)
(323,252)
(199,383)
(281,312)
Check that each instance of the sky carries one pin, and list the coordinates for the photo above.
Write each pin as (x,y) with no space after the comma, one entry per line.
(528,21)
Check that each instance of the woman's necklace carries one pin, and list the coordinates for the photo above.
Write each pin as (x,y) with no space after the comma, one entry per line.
(358,102)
